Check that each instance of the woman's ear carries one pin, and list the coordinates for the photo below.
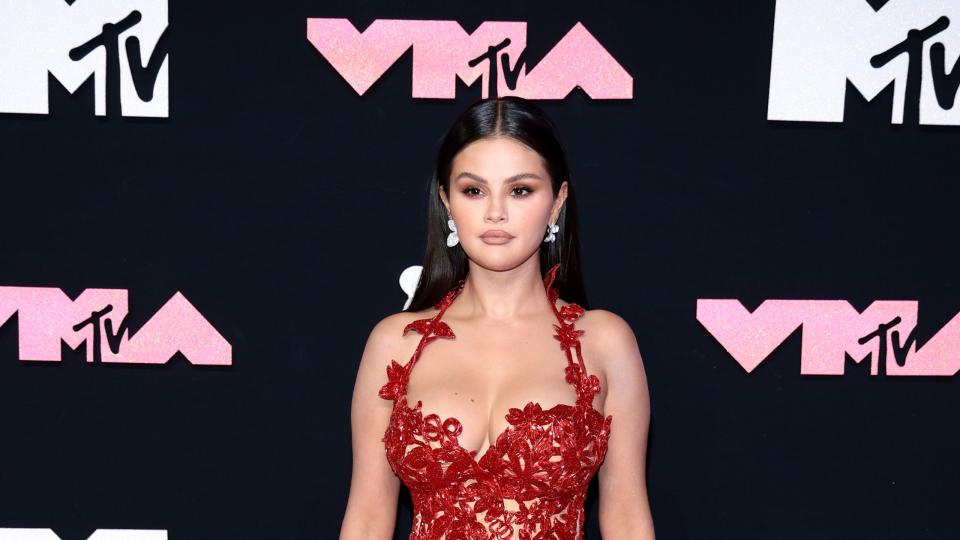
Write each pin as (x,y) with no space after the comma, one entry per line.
(444,200)
(558,203)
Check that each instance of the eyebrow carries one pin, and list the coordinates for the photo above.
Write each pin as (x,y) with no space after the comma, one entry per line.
(513,178)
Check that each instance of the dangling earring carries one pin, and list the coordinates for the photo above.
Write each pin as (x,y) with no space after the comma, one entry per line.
(452,238)
(551,229)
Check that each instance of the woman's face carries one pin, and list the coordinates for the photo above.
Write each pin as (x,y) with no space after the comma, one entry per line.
(500,184)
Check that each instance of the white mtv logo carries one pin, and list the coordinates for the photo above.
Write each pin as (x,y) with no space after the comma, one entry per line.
(120,43)
(818,45)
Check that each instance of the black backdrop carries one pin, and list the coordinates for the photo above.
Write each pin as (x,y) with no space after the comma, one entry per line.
(284,206)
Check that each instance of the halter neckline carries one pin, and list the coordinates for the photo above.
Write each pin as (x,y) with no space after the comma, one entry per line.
(587,385)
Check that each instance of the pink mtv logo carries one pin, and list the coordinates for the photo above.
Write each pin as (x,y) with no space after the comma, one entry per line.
(884,332)
(98,317)
(495,51)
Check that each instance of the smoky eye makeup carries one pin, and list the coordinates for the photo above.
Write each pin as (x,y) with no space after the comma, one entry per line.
(517,191)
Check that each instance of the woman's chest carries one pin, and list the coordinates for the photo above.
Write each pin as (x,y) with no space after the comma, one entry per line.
(478,377)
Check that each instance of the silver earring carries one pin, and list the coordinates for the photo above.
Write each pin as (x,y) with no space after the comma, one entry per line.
(452,238)
(551,229)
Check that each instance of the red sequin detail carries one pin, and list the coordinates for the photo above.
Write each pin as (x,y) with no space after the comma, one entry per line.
(543,461)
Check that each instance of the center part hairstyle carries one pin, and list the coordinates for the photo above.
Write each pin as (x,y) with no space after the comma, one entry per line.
(525,122)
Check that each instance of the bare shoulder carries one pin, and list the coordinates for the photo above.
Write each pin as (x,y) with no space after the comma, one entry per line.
(387,339)
(389,330)
(386,343)
(611,339)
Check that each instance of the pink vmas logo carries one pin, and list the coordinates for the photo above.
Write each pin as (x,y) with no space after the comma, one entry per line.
(495,52)
(884,332)
(98,317)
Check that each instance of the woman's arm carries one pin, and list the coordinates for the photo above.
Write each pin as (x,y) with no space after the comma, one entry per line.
(624,507)
(371,511)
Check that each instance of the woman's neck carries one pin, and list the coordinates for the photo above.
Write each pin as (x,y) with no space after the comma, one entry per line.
(502,295)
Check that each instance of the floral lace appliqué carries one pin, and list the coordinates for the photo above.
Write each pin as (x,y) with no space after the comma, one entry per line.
(531,483)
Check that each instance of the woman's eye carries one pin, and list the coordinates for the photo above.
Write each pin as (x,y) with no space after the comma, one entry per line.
(518,192)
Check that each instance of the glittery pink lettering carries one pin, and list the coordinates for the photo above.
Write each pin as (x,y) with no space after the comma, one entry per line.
(831,329)
(495,52)
(98,317)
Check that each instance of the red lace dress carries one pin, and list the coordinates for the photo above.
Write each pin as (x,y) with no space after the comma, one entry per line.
(542,462)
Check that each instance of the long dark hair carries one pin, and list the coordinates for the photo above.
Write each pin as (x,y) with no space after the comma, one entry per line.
(520,119)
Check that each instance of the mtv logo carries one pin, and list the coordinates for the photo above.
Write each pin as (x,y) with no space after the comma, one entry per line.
(121,44)
(820,45)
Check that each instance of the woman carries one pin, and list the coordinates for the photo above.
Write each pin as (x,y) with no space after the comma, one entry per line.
(498,431)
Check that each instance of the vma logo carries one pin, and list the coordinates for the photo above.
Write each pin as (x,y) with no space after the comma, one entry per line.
(98,317)
(495,52)
(885,332)
(121,44)
(821,45)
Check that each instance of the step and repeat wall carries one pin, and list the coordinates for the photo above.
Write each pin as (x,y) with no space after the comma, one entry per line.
(206,207)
